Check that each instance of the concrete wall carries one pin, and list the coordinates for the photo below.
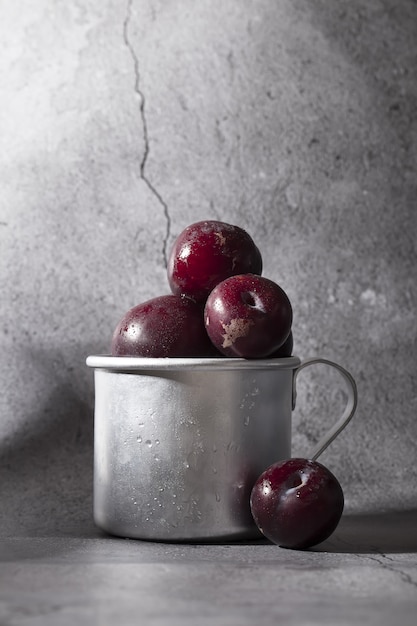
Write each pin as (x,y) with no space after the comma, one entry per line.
(123,121)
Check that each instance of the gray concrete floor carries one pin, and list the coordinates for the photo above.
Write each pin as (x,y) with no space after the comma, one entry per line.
(366,573)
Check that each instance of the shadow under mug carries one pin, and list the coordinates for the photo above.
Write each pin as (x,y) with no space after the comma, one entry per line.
(179,442)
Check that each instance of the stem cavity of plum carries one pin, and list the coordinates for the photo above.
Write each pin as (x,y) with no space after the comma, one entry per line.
(252,300)
(297,481)
(248,298)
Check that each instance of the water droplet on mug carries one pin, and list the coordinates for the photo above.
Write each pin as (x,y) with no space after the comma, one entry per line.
(141,424)
(246,420)
(148,442)
(157,442)
(139,439)
(218,498)
(186,465)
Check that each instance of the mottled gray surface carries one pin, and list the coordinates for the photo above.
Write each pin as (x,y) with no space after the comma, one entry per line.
(364,575)
(122,122)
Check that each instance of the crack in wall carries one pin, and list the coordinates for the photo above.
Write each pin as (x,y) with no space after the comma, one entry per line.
(143,162)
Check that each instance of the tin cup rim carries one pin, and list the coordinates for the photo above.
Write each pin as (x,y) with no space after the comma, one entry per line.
(130,363)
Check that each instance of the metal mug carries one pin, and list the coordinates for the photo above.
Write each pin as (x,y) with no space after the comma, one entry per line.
(179,442)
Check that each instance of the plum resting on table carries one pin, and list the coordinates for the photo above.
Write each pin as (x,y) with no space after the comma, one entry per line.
(297,503)
(248,316)
(165,326)
(207,252)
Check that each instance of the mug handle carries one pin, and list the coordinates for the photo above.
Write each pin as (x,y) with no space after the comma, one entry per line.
(350,407)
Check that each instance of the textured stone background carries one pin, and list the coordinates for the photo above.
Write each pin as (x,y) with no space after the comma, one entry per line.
(123,121)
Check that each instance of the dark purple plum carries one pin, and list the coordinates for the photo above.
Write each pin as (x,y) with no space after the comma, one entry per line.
(165,326)
(297,503)
(285,350)
(248,316)
(207,252)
